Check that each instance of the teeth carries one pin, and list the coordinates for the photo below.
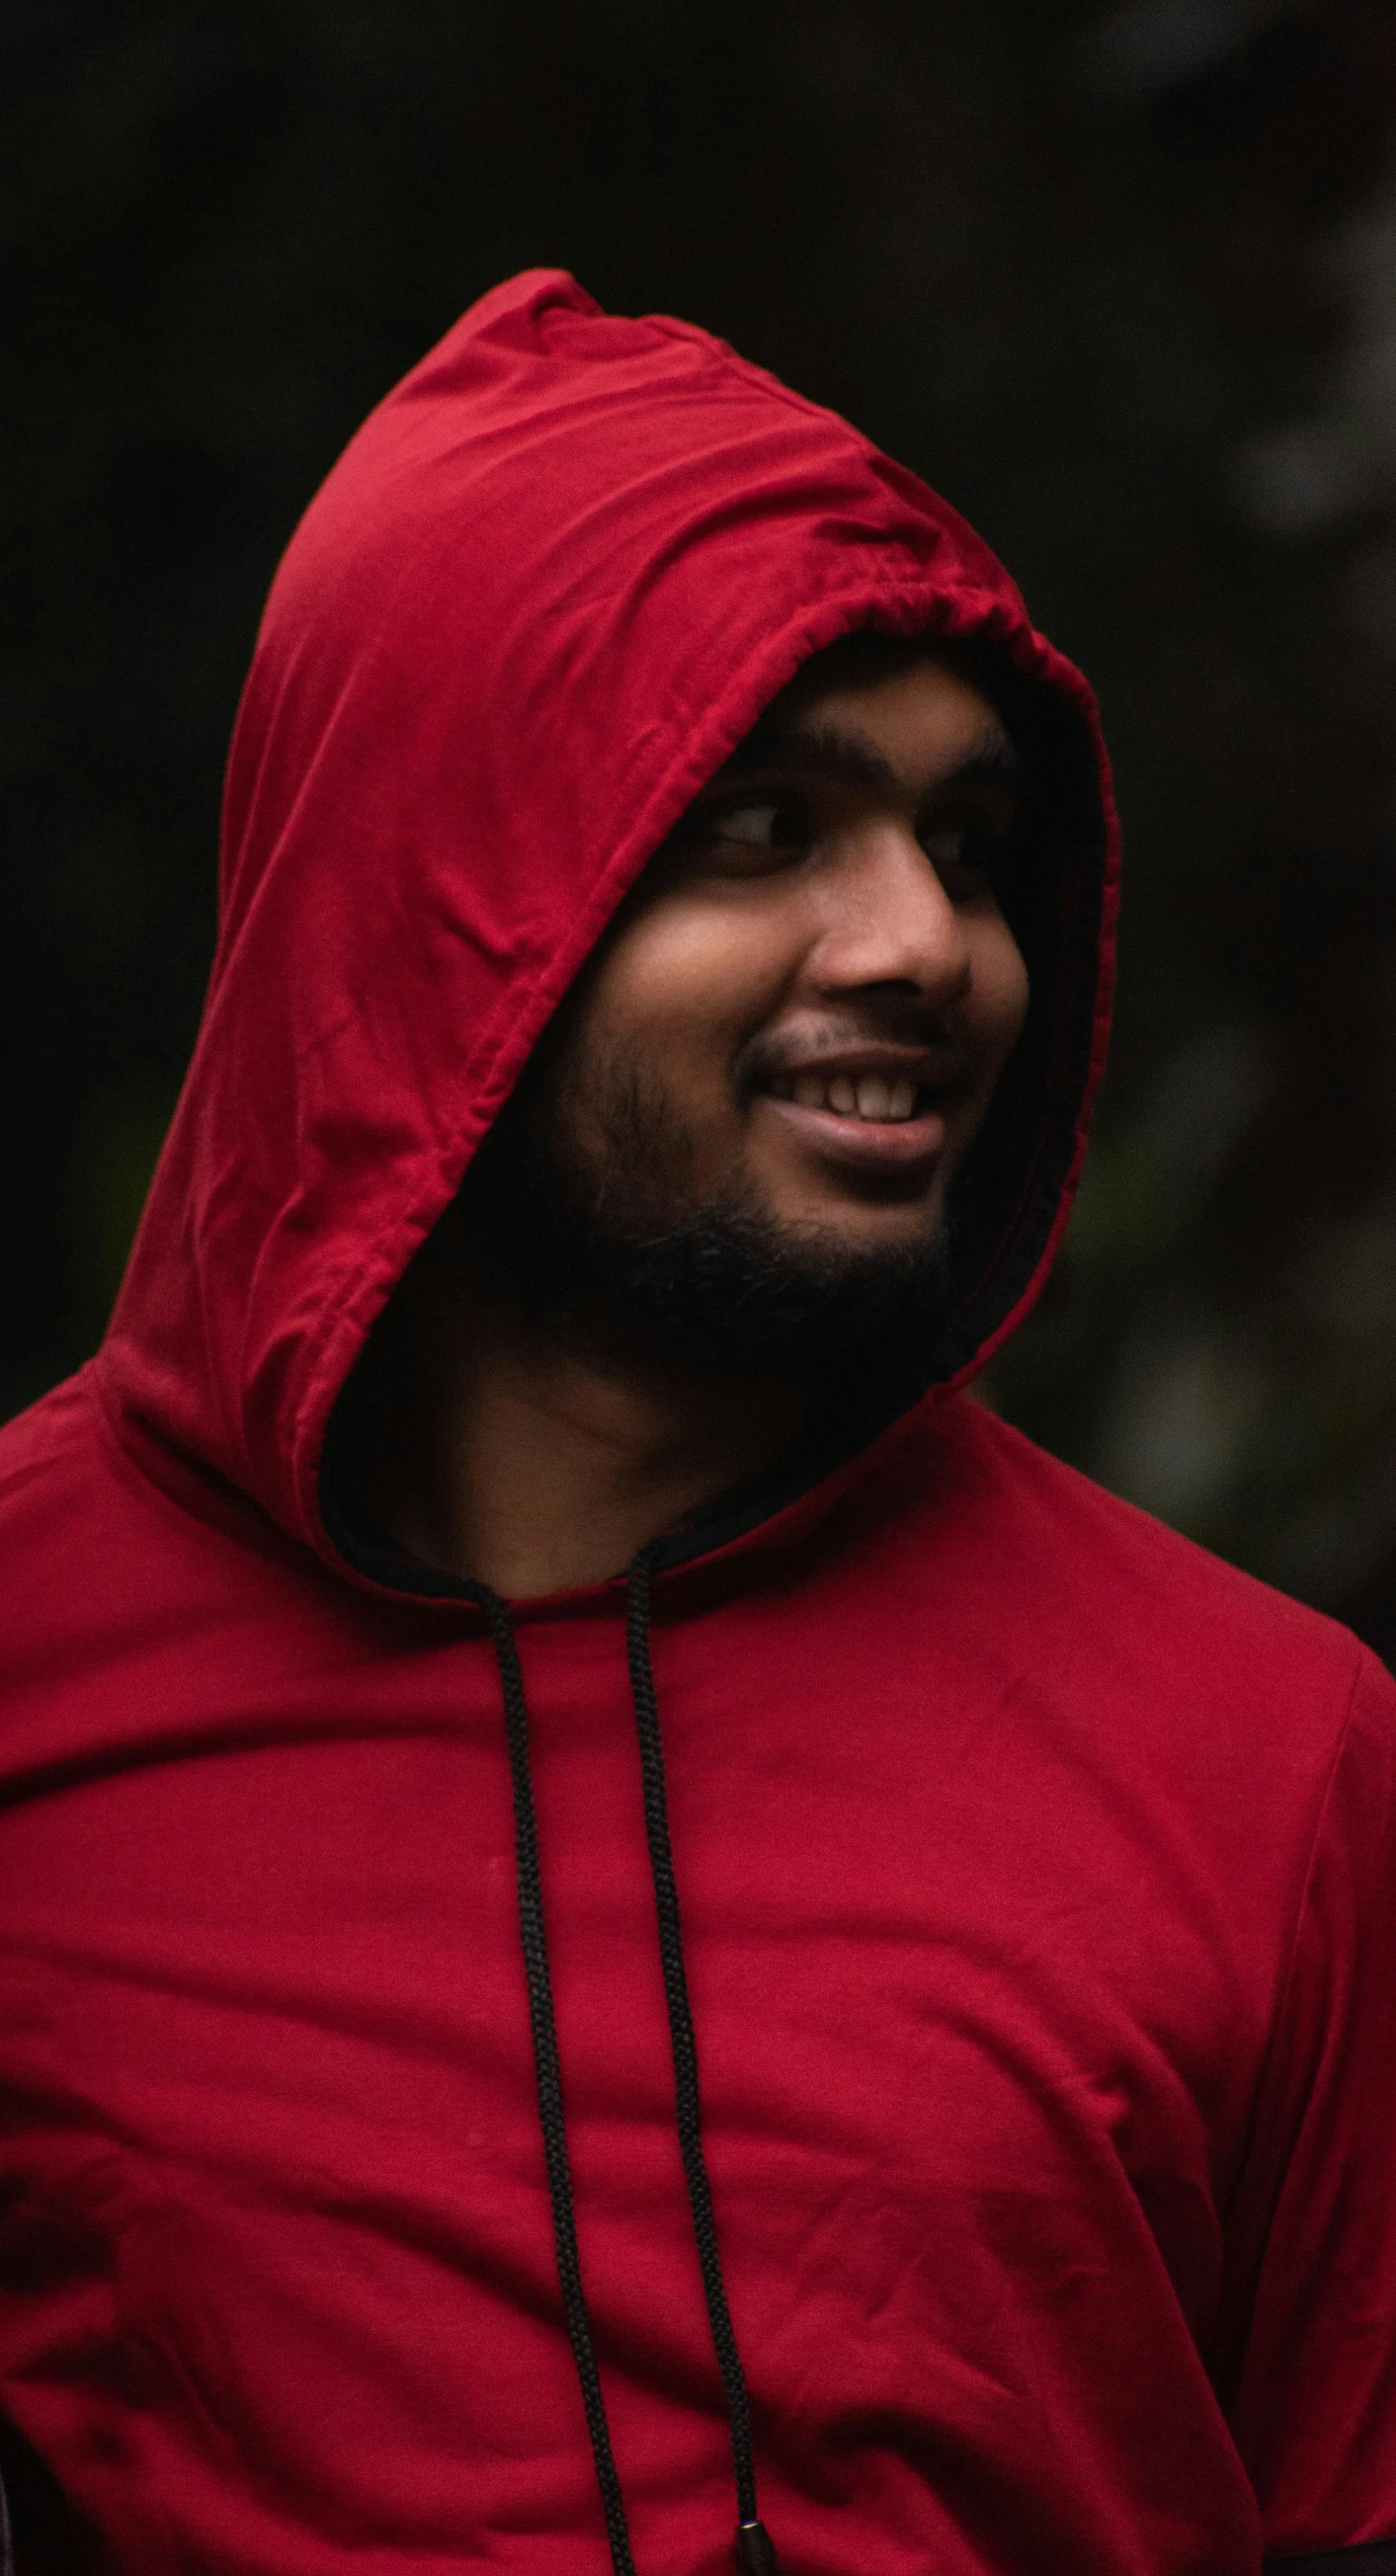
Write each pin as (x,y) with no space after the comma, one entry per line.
(869,1097)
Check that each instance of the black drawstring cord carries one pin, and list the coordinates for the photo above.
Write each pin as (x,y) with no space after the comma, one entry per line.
(549,2078)
(754,2552)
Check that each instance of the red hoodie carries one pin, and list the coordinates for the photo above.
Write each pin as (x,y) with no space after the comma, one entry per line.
(1035,1869)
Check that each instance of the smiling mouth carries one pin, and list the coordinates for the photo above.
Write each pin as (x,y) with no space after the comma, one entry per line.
(870,1098)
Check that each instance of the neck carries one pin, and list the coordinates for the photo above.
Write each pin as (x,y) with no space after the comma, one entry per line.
(511,1456)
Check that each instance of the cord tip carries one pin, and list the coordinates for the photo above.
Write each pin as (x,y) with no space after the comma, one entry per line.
(754,2553)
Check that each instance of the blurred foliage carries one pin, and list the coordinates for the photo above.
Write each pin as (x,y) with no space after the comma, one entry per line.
(1117,280)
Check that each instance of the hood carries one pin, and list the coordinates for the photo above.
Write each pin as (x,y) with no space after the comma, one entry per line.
(543,594)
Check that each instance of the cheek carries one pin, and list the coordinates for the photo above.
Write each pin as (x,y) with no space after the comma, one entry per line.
(680,988)
(1001,990)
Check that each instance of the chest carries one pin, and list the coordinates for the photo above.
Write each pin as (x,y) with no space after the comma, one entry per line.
(976,2035)
(941,1958)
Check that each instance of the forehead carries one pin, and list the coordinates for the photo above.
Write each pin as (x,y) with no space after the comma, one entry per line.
(901,719)
(866,659)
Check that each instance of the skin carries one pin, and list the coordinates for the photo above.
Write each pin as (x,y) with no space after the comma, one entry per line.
(825,913)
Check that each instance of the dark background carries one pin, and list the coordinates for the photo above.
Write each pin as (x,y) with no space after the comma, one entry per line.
(1120,280)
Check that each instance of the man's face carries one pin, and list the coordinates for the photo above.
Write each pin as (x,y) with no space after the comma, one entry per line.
(793,1028)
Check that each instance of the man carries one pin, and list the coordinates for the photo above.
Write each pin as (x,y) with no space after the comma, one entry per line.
(623,1913)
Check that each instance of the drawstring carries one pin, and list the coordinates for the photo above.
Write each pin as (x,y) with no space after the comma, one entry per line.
(753,2552)
(549,2079)
(751,2538)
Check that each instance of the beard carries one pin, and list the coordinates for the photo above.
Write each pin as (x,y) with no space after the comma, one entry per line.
(608,1247)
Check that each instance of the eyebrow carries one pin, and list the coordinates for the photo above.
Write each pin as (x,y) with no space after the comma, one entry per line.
(849,759)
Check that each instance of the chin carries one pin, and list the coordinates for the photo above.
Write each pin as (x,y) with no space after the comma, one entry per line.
(864,1225)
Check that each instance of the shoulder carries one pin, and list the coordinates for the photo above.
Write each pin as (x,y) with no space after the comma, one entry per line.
(35,1442)
(86,1499)
(1099,1600)
(1097,1544)
(56,1473)
(74,1505)
(125,1596)
(86,1541)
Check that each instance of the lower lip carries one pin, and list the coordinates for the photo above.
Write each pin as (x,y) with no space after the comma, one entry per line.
(864,1144)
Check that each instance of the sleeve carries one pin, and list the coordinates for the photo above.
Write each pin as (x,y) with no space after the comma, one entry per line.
(1314,2412)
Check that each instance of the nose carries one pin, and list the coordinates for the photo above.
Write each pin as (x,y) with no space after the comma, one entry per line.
(885,918)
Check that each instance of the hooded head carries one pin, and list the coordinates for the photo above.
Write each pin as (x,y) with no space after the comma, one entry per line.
(543,596)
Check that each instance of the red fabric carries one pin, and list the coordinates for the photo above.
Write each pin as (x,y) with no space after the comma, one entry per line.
(1036,1869)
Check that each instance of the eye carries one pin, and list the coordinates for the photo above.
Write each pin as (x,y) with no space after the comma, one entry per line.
(749,830)
(963,855)
(755,825)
